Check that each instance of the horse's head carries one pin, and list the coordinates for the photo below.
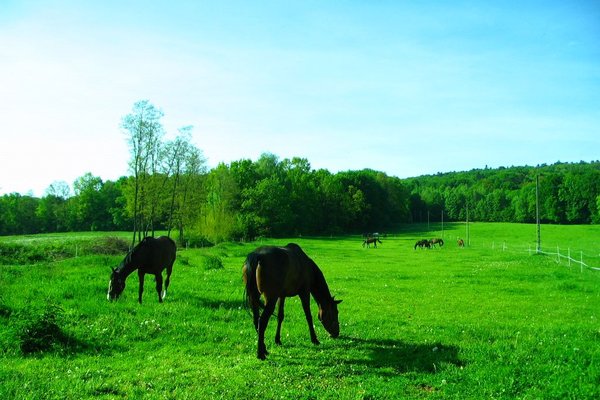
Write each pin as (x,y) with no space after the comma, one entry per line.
(328,315)
(116,285)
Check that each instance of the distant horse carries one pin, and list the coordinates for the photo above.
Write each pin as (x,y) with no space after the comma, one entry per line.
(461,243)
(438,241)
(150,256)
(280,272)
(370,240)
(422,243)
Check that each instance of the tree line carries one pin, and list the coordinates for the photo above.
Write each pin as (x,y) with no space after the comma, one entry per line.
(568,193)
(272,197)
(171,189)
(242,200)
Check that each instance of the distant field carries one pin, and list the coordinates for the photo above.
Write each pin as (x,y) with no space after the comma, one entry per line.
(486,321)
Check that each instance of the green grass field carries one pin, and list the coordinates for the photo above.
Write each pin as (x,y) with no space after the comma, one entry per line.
(486,321)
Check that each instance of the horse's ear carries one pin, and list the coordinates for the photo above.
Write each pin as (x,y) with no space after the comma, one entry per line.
(112,269)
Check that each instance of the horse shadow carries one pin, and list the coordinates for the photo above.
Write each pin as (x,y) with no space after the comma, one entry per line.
(392,357)
(215,304)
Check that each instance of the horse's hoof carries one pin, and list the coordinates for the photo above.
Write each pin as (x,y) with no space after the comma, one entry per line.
(316,342)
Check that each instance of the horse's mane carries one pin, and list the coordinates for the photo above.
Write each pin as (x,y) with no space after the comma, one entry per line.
(320,284)
(129,257)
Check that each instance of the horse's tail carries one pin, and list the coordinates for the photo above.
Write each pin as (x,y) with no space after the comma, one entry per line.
(251,293)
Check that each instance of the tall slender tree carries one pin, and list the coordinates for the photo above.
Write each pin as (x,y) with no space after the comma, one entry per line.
(144,131)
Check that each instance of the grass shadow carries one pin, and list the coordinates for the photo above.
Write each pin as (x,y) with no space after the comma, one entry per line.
(402,357)
(65,345)
(215,304)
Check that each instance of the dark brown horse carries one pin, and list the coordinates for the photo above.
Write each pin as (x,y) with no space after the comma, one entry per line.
(460,242)
(150,256)
(422,243)
(280,272)
(434,241)
(370,240)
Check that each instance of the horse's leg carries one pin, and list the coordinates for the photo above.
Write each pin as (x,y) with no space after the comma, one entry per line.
(168,280)
(141,288)
(255,313)
(305,299)
(279,320)
(262,327)
(159,286)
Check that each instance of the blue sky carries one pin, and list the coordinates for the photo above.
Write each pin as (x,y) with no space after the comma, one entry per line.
(408,88)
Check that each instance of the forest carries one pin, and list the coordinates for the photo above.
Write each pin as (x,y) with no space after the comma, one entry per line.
(170,188)
(271,197)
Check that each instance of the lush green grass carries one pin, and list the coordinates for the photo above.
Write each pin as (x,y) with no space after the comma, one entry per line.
(477,322)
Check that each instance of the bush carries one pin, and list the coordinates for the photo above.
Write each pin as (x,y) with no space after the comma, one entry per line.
(54,250)
(20,254)
(213,262)
(41,332)
(109,246)
(197,241)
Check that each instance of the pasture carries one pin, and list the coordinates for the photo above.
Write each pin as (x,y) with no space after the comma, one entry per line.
(464,323)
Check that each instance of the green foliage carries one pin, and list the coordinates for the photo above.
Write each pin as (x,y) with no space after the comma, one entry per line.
(51,248)
(276,198)
(213,262)
(567,194)
(20,253)
(108,245)
(39,330)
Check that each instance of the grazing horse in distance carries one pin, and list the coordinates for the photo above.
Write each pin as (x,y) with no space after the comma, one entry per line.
(370,240)
(279,272)
(150,256)
(422,243)
(460,242)
(434,241)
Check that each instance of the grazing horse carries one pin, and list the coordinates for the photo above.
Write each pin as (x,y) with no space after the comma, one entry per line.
(438,241)
(280,272)
(461,243)
(422,243)
(150,256)
(370,240)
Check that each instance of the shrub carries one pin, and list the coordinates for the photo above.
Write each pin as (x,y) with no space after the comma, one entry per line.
(20,254)
(197,241)
(40,331)
(109,246)
(213,262)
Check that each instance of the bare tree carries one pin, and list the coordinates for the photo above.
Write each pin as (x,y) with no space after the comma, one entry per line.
(145,131)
